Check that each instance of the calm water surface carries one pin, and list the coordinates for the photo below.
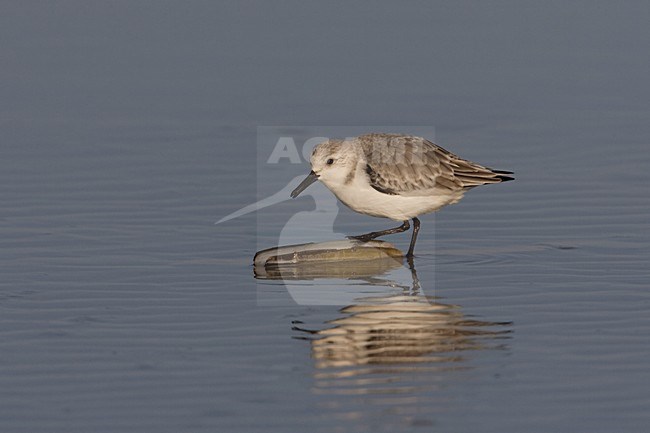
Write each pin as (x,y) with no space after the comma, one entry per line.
(128,133)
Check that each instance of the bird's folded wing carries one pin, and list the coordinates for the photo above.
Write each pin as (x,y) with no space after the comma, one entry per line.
(408,165)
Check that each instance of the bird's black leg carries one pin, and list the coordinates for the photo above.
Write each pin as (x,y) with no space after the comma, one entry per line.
(372,235)
(415,288)
(414,236)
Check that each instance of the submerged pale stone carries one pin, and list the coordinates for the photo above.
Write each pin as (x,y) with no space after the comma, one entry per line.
(333,251)
(334,259)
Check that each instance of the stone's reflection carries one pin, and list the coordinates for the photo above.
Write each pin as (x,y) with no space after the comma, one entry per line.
(400,329)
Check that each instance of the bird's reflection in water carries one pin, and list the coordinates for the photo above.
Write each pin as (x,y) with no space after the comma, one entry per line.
(392,358)
(395,351)
(398,330)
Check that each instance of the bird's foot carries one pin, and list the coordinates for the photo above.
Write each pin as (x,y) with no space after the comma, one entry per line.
(363,238)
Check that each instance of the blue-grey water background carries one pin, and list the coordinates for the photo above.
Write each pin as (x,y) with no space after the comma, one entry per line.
(129,128)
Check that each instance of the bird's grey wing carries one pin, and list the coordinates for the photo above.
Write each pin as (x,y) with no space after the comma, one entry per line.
(407,165)
(471,174)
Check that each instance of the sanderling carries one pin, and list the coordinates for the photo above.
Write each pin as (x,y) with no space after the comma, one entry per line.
(395,176)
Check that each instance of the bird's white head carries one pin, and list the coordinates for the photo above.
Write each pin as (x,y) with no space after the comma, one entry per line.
(332,162)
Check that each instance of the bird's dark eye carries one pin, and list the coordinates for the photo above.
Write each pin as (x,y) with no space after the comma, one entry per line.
(330,161)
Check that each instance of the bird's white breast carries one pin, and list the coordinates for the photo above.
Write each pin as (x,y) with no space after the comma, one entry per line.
(361,197)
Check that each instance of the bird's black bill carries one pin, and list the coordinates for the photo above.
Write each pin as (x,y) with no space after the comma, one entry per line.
(311,178)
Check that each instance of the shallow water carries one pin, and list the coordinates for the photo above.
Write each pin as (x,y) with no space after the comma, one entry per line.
(128,131)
